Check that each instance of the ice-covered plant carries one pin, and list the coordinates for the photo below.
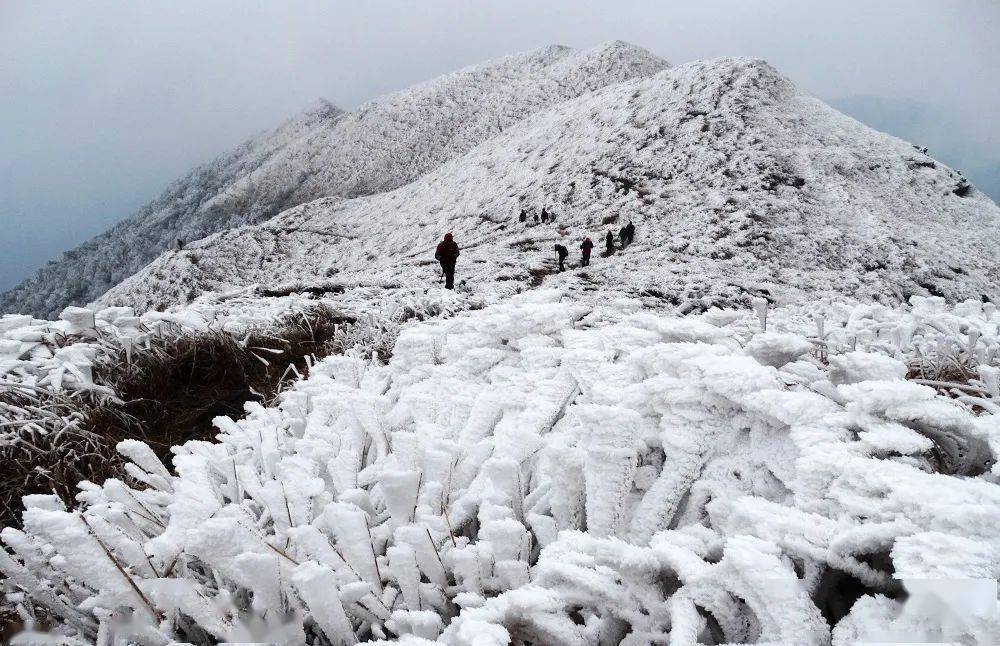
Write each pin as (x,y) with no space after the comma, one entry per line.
(512,476)
(759,304)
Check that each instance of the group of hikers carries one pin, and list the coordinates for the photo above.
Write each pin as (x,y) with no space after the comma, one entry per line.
(545,216)
(447,250)
(625,237)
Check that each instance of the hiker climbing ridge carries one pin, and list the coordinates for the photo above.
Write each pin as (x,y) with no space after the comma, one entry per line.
(561,252)
(586,248)
(447,254)
(447,250)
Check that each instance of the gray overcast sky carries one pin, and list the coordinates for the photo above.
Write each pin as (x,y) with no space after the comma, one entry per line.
(102,104)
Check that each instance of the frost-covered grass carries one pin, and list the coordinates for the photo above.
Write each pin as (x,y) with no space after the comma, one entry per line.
(953,348)
(164,387)
(548,471)
(70,390)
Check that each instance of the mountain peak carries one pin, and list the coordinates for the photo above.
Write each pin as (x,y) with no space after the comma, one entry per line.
(621,46)
(322,107)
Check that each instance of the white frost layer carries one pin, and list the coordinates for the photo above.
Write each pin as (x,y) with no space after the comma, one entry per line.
(539,470)
(58,358)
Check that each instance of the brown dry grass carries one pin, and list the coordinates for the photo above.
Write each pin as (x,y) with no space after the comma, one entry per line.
(168,394)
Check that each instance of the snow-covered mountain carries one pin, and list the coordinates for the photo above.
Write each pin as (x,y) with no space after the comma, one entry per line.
(382,145)
(737,182)
(561,466)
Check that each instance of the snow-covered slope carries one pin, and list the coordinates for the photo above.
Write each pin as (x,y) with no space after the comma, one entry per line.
(185,210)
(382,145)
(737,183)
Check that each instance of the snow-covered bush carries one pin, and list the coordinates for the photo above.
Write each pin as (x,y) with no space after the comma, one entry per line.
(71,389)
(954,348)
(48,383)
(543,472)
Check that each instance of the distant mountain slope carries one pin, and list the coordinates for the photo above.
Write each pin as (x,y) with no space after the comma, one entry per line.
(737,182)
(186,210)
(382,145)
(961,144)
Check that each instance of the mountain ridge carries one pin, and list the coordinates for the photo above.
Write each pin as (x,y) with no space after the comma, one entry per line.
(385,143)
(740,184)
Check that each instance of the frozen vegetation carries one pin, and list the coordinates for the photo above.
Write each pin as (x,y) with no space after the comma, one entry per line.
(773,419)
(543,471)
(382,145)
(42,359)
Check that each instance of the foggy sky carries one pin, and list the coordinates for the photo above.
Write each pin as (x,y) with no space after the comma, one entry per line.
(102,104)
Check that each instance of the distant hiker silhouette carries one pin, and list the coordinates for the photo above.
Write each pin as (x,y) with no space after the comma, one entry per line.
(536,217)
(630,231)
(609,242)
(623,237)
(545,215)
(586,247)
(562,252)
(447,254)
(524,216)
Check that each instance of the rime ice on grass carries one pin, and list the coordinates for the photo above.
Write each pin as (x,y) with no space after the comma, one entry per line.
(546,471)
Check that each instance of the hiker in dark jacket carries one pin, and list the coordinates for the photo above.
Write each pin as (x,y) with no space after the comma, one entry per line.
(630,231)
(561,252)
(623,237)
(545,215)
(586,247)
(609,242)
(524,216)
(447,255)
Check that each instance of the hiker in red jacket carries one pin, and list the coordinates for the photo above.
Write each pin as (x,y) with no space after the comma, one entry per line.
(586,247)
(447,255)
